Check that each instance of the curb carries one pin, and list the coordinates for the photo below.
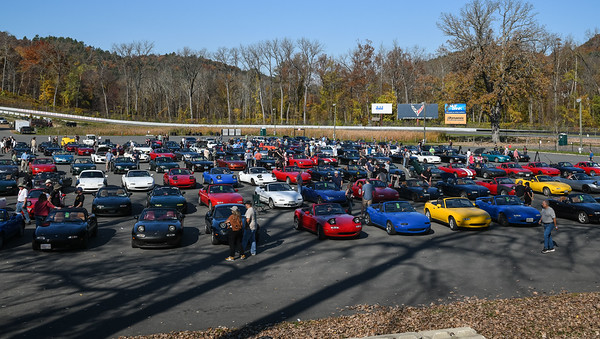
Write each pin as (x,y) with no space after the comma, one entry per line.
(454,333)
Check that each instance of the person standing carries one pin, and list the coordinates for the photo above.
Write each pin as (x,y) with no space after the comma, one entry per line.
(33,145)
(248,158)
(367,196)
(79,198)
(528,196)
(520,190)
(236,229)
(109,156)
(22,202)
(56,195)
(251,228)
(337,179)
(548,221)
(41,209)
(299,182)
(591,155)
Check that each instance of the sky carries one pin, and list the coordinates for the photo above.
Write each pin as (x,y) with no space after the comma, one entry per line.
(337,25)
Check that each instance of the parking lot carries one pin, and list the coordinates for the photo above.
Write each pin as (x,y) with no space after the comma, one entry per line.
(111,289)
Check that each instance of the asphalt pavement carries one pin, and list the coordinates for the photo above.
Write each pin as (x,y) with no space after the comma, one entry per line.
(111,289)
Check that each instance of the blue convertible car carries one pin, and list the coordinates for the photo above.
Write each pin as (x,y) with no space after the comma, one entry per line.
(215,222)
(63,157)
(397,217)
(220,175)
(322,191)
(10,226)
(509,210)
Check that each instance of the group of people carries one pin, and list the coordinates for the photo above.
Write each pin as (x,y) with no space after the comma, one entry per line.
(242,229)
(7,144)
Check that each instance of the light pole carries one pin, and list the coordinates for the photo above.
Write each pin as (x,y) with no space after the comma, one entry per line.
(334,119)
(580,127)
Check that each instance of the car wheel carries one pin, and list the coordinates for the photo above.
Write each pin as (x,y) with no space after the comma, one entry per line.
(415,197)
(586,189)
(486,175)
(463,194)
(320,233)
(592,173)
(496,160)
(503,192)
(582,217)
(288,180)
(210,205)
(502,219)
(297,226)
(428,215)
(452,224)
(253,182)
(214,240)
(368,220)
(546,191)
(271,204)
(389,228)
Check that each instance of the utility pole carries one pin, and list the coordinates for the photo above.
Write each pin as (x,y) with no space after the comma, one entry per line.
(424,123)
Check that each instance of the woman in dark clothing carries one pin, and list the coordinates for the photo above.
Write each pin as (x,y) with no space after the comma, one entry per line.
(236,233)
(528,197)
(41,209)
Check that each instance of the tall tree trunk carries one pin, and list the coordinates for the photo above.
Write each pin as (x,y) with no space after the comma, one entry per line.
(228,101)
(304,106)
(495,122)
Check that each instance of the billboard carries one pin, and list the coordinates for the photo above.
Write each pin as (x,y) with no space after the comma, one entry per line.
(417,111)
(381,108)
(455,114)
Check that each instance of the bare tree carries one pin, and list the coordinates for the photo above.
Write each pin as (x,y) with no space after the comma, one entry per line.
(191,64)
(310,50)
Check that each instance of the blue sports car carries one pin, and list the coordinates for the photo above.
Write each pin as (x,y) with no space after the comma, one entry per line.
(10,226)
(322,192)
(167,196)
(417,190)
(397,217)
(509,210)
(158,227)
(220,175)
(215,222)
(63,157)
(8,184)
(67,227)
(8,166)
(566,168)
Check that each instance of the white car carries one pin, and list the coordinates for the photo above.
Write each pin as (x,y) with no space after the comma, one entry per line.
(99,157)
(142,157)
(429,158)
(91,180)
(89,140)
(142,148)
(257,176)
(137,180)
(279,194)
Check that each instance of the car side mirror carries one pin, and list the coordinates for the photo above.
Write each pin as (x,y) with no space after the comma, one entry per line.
(306,212)
(439,205)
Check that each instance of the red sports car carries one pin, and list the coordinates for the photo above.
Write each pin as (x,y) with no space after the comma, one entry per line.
(212,195)
(300,160)
(32,198)
(327,220)
(324,159)
(41,165)
(380,193)
(71,147)
(84,150)
(515,170)
(232,162)
(289,174)
(179,177)
(460,170)
(161,152)
(542,168)
(590,167)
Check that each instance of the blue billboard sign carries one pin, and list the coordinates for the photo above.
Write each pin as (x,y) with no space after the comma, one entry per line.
(417,111)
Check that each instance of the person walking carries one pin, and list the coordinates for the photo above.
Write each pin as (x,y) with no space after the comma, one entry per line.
(367,196)
(41,209)
(109,157)
(22,202)
(299,182)
(248,158)
(236,229)
(251,228)
(548,221)
(528,195)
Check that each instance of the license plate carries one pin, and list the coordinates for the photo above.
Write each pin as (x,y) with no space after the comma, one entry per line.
(45,246)
(529,220)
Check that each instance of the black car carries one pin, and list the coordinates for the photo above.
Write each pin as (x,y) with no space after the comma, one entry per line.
(7,166)
(82,164)
(111,200)
(185,153)
(51,148)
(158,227)
(267,162)
(59,177)
(198,163)
(461,187)
(451,156)
(566,168)
(348,156)
(321,173)
(522,157)
(167,196)
(379,158)
(415,169)
(215,222)
(395,171)
(353,172)
(65,228)
(577,206)
(172,146)
(163,164)
(417,190)
(122,164)
(485,171)
(8,184)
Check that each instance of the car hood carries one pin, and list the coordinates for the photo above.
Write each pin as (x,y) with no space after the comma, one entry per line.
(467,212)
(167,199)
(111,200)
(156,225)
(332,194)
(229,197)
(91,180)
(292,195)
(139,180)
(61,228)
(412,217)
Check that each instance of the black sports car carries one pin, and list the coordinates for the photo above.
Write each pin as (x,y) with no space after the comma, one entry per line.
(353,172)
(111,200)
(451,156)
(348,156)
(65,228)
(162,164)
(321,173)
(415,169)
(158,227)
(185,153)
(122,164)
(8,184)
(167,196)
(198,163)
(215,222)
(82,164)
(566,168)
(379,158)
(485,171)
(7,166)
(59,177)
(267,162)
(417,190)
(51,148)
(577,206)
(461,187)
(522,157)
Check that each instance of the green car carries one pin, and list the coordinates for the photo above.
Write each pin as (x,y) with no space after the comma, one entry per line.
(494,156)
(82,164)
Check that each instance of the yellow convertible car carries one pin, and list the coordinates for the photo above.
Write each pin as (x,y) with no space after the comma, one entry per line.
(547,185)
(457,212)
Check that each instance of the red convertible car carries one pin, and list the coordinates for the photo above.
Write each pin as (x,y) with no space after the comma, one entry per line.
(84,150)
(324,159)
(380,191)
(41,165)
(71,147)
(515,170)
(289,174)
(590,167)
(542,168)
(232,162)
(32,198)
(300,160)
(327,220)
(179,177)
(161,152)
(217,194)
(460,170)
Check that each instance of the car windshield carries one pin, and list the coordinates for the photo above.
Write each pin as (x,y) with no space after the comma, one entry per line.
(220,170)
(161,150)
(83,161)
(300,156)
(513,165)
(505,181)
(43,161)
(593,164)
(545,178)
(582,176)
(378,183)
(123,159)
(112,192)
(163,159)
(221,189)
(565,164)
(158,215)
(223,212)
(325,168)
(65,216)
(92,174)
(6,162)
(199,159)
(292,169)
(278,187)
(329,209)
(166,191)
(34,194)
(465,182)
(426,153)
(398,206)
(258,170)
(322,186)
(180,171)
(231,158)
(414,183)
(458,165)
(541,164)
(138,174)
(458,203)
(583,199)
(354,168)
(508,200)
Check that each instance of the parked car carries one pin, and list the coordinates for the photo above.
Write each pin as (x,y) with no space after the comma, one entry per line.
(219,175)
(462,187)
(82,164)
(397,217)
(542,168)
(91,180)
(215,222)
(566,168)
(457,212)
(417,190)
(381,192)
(217,194)
(179,177)
(163,196)
(65,228)
(322,191)
(499,186)
(547,185)
(327,220)
(162,164)
(137,180)
(577,206)
(10,226)
(289,174)
(112,200)
(279,195)
(257,176)
(582,182)
(158,227)
(509,210)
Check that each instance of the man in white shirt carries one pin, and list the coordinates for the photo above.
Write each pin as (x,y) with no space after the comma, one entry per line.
(250,231)
(22,202)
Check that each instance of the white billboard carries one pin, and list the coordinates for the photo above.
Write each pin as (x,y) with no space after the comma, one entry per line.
(381,108)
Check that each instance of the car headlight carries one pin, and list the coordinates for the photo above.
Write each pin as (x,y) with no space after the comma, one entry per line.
(172,228)
(73,237)
(223,225)
(331,221)
(356,220)
(466,219)
(234,176)
(141,228)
